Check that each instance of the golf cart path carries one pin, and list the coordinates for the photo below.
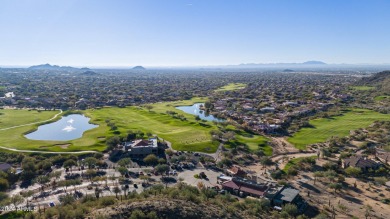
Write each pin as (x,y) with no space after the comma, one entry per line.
(47,152)
(42,152)
(33,123)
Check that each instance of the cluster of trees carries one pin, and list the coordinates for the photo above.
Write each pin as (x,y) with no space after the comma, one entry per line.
(69,89)
(176,115)
(37,169)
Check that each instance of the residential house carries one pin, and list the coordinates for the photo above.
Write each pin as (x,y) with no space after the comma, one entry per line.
(361,162)
(244,187)
(141,147)
(288,195)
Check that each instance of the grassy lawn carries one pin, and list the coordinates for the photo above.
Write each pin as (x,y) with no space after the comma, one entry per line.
(256,142)
(14,138)
(362,88)
(336,126)
(189,135)
(379,98)
(163,107)
(10,117)
(184,135)
(232,86)
(253,142)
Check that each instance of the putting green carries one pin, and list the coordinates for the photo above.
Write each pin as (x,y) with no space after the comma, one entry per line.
(340,126)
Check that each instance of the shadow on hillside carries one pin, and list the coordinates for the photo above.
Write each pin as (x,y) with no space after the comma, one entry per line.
(351,199)
(311,211)
(310,187)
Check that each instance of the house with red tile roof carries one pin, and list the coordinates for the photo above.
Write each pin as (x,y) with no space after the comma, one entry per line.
(244,187)
(141,147)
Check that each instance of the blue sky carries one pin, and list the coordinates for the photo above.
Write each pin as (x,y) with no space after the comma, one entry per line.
(192,32)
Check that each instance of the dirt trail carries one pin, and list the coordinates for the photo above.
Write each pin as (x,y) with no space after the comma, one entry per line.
(281,146)
(282,162)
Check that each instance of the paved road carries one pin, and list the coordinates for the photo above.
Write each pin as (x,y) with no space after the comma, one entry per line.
(47,152)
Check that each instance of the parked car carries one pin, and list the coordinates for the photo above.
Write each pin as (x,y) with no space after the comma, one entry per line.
(222,191)
(135,186)
(52,204)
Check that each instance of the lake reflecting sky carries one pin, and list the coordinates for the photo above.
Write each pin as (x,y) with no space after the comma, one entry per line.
(194,110)
(67,128)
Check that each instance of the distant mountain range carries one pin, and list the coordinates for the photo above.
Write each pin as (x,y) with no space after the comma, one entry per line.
(69,68)
(286,67)
(56,67)
(308,63)
(139,68)
(314,63)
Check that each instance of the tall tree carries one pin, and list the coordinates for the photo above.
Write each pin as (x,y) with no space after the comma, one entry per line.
(151,159)
(116,191)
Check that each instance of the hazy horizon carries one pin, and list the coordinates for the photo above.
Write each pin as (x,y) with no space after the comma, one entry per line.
(192,33)
(278,65)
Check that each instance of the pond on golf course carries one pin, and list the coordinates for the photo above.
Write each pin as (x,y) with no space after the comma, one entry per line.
(195,110)
(67,128)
